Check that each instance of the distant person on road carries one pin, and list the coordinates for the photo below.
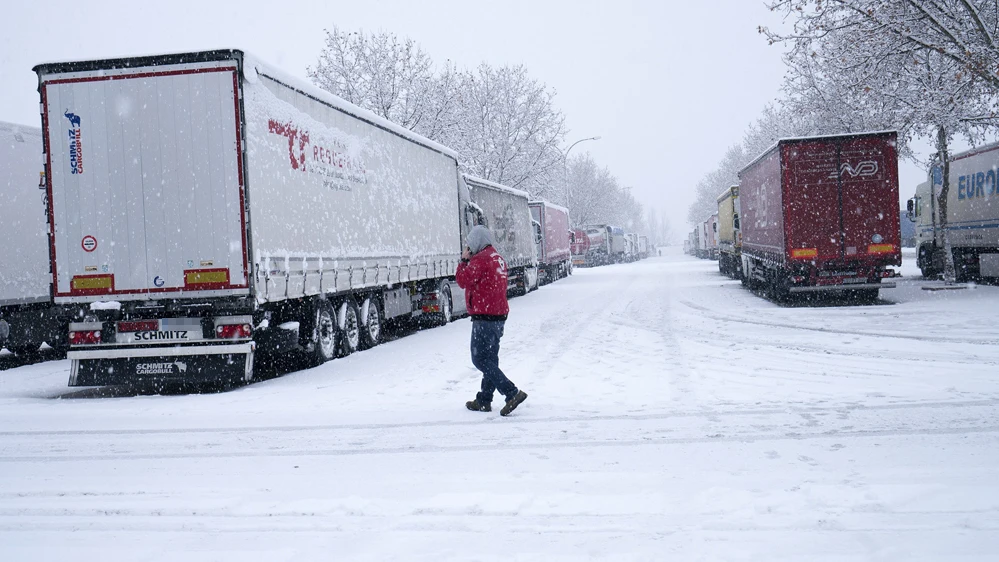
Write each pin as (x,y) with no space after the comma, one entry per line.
(482,274)
(660,252)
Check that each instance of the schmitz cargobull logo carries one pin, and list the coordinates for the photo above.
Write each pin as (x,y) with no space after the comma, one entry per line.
(161,368)
(75,143)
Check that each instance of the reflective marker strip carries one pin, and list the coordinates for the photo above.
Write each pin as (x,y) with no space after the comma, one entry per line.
(804,253)
(92,283)
(206,278)
(880,248)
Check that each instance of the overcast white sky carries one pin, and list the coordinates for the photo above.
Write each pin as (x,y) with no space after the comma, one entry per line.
(667,84)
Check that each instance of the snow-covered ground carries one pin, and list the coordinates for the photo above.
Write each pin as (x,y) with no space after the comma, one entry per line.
(672,416)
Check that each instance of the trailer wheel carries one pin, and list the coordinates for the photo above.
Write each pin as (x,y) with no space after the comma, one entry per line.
(866,296)
(444,298)
(324,334)
(778,288)
(371,331)
(520,288)
(350,323)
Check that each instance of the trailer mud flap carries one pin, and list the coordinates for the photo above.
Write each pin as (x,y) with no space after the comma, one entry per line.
(850,287)
(174,364)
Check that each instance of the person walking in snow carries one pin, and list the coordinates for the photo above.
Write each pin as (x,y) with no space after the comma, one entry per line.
(482,274)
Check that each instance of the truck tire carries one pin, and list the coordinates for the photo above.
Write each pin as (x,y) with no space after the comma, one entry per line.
(925,261)
(371,327)
(443,317)
(777,287)
(350,327)
(324,334)
(866,296)
(521,289)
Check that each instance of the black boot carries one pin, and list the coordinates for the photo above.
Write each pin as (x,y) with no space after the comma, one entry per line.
(476,406)
(512,403)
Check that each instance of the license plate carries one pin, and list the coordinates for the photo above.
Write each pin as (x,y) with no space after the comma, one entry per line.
(854,280)
(167,330)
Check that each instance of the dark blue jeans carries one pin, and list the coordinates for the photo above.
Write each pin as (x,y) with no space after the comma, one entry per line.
(486,336)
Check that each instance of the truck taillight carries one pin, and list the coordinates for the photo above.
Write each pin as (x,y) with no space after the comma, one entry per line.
(233,331)
(85,337)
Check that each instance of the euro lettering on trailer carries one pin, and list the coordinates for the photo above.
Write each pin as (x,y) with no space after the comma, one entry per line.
(977,185)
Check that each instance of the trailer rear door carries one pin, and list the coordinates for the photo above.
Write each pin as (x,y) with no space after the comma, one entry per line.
(841,198)
(145,180)
(868,172)
(811,201)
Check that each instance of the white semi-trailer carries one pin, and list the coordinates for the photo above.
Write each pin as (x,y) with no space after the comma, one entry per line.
(505,212)
(205,207)
(27,317)
(972,216)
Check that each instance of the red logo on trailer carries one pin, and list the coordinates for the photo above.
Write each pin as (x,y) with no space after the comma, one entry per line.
(89,243)
(324,158)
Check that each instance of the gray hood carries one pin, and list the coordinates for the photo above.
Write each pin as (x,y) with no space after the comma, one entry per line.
(479,238)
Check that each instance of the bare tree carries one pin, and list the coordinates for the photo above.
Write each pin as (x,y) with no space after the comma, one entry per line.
(712,184)
(510,129)
(502,122)
(962,31)
(390,76)
(599,198)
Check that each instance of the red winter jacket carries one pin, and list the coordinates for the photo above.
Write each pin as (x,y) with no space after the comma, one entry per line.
(484,279)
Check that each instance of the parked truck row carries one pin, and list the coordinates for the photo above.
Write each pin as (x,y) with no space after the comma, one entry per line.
(198,210)
(702,242)
(603,244)
(810,215)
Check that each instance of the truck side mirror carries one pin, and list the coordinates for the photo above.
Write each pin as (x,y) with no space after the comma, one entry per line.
(714,227)
(735,221)
(572,237)
(910,207)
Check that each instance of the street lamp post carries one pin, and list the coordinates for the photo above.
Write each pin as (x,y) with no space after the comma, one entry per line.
(565,168)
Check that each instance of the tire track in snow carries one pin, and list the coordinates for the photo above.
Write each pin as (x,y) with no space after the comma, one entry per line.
(772,425)
(849,407)
(569,334)
(651,441)
(935,339)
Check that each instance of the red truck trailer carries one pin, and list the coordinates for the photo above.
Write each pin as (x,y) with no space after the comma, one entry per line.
(556,257)
(821,214)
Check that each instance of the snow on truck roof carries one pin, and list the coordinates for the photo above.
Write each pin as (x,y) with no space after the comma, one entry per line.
(727,193)
(548,204)
(975,151)
(810,138)
(492,185)
(252,66)
(14,128)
